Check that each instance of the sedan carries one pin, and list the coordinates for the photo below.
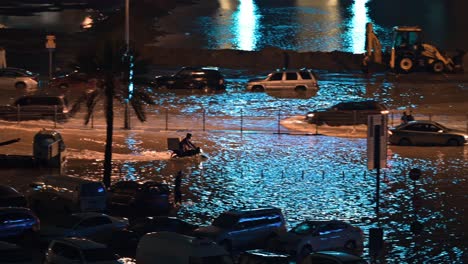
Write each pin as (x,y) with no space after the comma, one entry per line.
(162,223)
(426,133)
(18,78)
(310,236)
(347,113)
(94,226)
(17,221)
(11,197)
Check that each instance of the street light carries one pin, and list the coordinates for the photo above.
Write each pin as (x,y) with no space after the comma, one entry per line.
(127,51)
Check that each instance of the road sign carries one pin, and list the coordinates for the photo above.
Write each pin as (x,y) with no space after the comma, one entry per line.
(50,44)
(377,142)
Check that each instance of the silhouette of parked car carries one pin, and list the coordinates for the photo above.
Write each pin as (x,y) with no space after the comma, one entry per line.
(346,113)
(18,78)
(34,107)
(245,228)
(426,133)
(79,250)
(14,254)
(130,198)
(95,226)
(18,221)
(334,257)
(10,197)
(199,78)
(316,235)
(150,224)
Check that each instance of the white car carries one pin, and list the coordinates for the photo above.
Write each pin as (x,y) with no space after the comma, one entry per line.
(310,236)
(79,250)
(95,226)
(18,78)
(297,80)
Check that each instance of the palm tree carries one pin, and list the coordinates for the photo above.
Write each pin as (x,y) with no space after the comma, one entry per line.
(105,63)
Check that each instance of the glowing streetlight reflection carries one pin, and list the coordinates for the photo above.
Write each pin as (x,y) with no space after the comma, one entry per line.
(246,25)
(357,26)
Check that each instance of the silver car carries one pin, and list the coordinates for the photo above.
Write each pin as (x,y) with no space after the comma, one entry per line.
(18,78)
(317,235)
(297,80)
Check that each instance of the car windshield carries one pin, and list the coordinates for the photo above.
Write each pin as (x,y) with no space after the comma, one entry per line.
(98,254)
(225,221)
(304,228)
(69,221)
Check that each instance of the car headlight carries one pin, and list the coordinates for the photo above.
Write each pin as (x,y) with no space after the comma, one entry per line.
(390,132)
(466,137)
(310,115)
(384,112)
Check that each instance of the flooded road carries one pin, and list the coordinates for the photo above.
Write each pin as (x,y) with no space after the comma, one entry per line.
(306,176)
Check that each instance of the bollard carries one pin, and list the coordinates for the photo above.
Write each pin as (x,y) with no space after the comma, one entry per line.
(323,175)
(279,121)
(365,172)
(204,118)
(55,116)
(242,120)
(167,119)
(343,175)
(282,174)
(261,174)
(18,114)
(302,175)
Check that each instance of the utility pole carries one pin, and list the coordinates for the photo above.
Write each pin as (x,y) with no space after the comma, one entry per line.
(127,59)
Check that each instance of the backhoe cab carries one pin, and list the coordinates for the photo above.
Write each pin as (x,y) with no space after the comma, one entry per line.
(408,53)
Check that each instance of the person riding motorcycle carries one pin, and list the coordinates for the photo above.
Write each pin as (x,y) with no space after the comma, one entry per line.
(187,148)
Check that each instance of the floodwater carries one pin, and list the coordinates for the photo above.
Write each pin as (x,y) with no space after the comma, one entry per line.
(308,176)
(312,25)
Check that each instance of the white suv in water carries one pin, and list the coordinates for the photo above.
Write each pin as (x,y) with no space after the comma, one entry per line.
(297,80)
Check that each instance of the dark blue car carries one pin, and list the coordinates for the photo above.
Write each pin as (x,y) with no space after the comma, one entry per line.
(17,221)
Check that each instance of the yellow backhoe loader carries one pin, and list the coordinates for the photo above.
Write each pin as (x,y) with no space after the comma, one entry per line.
(409,53)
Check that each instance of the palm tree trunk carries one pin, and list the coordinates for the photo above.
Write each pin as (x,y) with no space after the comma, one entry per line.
(109,92)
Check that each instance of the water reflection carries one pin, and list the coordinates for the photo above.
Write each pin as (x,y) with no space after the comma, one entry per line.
(356,33)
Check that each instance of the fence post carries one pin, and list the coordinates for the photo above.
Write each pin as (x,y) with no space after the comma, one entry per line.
(55,116)
(167,119)
(392,117)
(279,120)
(204,119)
(18,114)
(467,123)
(241,121)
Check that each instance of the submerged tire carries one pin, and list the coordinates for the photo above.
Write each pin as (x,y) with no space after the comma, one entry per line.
(453,142)
(404,142)
(258,88)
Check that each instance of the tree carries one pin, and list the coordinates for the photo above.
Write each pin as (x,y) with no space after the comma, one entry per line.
(106,64)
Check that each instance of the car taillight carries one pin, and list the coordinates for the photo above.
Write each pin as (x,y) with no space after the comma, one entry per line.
(37,226)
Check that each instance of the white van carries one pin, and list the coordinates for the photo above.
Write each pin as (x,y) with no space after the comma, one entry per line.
(174,248)
(68,194)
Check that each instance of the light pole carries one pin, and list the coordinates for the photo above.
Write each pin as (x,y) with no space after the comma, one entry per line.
(127,51)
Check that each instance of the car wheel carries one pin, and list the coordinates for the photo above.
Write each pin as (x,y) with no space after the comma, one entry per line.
(406,65)
(350,245)
(453,142)
(257,88)
(404,142)
(438,67)
(63,86)
(305,251)
(20,85)
(300,89)
(227,245)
